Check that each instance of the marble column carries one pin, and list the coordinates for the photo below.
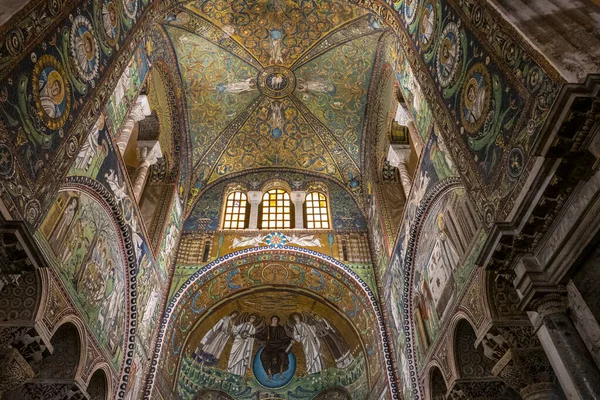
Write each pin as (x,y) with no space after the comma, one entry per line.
(148,154)
(139,111)
(398,156)
(254,198)
(576,371)
(298,200)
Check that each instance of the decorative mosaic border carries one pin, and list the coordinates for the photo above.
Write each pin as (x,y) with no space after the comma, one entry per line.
(440,189)
(130,273)
(232,256)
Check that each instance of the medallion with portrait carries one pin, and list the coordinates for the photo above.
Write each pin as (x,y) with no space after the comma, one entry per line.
(110,22)
(84,49)
(130,7)
(475,98)
(449,55)
(410,10)
(51,93)
(427,25)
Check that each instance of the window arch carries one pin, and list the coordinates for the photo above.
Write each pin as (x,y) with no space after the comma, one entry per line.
(236,210)
(315,211)
(276,210)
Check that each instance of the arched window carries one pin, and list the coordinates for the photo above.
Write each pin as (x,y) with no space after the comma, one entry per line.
(276,210)
(315,210)
(235,211)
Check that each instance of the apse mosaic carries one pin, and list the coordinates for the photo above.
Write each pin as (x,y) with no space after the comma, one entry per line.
(314,332)
(84,242)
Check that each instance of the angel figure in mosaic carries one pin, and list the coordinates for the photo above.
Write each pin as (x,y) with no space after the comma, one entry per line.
(306,334)
(243,343)
(214,341)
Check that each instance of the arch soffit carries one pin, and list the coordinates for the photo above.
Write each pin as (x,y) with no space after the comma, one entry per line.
(427,371)
(231,258)
(104,367)
(83,341)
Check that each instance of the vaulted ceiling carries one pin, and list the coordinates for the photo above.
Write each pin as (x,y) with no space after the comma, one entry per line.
(275,84)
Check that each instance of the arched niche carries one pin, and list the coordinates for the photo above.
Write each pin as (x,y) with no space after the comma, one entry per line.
(437,384)
(57,374)
(98,387)
(291,280)
(470,360)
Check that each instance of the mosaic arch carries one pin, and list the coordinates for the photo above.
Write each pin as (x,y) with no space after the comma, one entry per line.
(248,283)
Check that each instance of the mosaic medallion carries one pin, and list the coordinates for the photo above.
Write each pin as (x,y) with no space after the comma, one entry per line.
(51,93)
(516,162)
(475,98)
(84,49)
(427,25)
(130,7)
(110,22)
(449,54)
(276,81)
(410,10)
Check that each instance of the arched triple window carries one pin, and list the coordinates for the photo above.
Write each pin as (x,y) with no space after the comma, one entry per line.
(276,210)
(235,211)
(315,211)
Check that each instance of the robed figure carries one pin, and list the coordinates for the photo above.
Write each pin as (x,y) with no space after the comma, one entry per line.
(307,335)
(213,343)
(243,344)
(274,356)
(334,341)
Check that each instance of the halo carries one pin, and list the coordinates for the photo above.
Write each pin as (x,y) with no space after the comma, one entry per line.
(472,83)
(54,76)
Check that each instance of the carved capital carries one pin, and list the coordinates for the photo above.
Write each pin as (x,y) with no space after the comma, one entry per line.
(521,368)
(14,370)
(550,304)
(148,152)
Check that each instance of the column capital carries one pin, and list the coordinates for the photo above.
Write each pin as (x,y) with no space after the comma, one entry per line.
(298,197)
(398,154)
(550,303)
(148,151)
(140,109)
(254,196)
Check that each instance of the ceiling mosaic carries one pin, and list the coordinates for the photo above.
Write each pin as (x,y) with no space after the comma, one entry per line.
(275,84)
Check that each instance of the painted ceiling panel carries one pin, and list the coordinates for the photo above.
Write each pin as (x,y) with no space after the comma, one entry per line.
(262,25)
(213,80)
(261,143)
(335,89)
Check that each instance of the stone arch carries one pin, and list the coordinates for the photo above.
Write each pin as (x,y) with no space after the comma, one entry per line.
(72,322)
(98,387)
(436,383)
(173,314)
(469,360)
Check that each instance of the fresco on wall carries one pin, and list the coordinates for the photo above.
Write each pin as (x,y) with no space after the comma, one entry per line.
(87,255)
(236,346)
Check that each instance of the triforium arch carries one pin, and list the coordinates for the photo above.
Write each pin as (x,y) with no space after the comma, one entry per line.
(219,289)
